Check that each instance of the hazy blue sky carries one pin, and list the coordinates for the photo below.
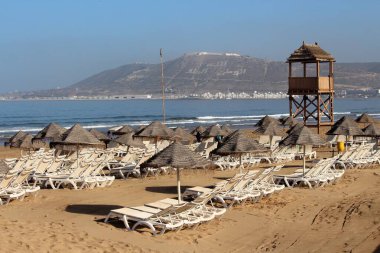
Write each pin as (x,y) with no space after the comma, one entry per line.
(46,44)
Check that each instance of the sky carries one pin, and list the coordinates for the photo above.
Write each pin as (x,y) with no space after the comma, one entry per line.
(49,44)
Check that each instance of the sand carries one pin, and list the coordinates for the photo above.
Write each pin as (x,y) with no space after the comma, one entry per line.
(337,218)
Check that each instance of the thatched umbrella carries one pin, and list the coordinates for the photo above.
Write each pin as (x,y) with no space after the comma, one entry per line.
(288,121)
(198,129)
(303,136)
(226,128)
(177,156)
(24,143)
(345,126)
(266,120)
(128,140)
(271,129)
(183,135)
(124,130)
(213,131)
(238,143)
(366,118)
(76,138)
(157,131)
(371,130)
(51,132)
(99,135)
(17,136)
(295,127)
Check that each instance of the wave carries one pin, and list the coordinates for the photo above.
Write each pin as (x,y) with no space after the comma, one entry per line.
(108,122)
(241,117)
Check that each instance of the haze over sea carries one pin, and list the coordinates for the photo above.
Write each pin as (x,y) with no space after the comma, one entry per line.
(32,116)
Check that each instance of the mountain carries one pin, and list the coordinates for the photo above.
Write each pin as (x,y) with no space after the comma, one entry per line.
(211,72)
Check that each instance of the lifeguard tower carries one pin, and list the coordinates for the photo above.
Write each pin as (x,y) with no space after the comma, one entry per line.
(311,96)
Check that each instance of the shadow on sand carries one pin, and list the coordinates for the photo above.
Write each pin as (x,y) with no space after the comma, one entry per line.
(91,209)
(166,189)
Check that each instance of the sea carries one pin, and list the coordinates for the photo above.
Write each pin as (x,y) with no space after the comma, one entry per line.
(32,115)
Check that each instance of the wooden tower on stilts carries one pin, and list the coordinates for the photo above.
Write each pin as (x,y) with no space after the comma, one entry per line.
(311,96)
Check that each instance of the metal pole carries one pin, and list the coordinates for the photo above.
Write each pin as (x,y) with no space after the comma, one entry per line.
(162,86)
(304,159)
(178,187)
(241,169)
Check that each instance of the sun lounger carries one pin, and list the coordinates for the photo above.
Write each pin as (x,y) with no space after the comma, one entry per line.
(160,219)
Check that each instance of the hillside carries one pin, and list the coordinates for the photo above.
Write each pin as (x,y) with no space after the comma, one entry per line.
(210,72)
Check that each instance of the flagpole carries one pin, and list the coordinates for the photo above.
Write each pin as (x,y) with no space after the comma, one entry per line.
(163,87)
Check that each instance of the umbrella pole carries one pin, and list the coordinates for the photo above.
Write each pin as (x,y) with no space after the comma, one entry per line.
(270,142)
(304,159)
(178,187)
(346,142)
(77,156)
(241,169)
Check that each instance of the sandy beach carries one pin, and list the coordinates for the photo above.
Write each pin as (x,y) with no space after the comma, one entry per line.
(344,217)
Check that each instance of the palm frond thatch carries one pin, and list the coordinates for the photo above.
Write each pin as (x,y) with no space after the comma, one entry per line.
(51,132)
(17,136)
(271,129)
(176,155)
(24,143)
(155,130)
(77,137)
(371,130)
(266,120)
(199,129)
(99,135)
(124,130)
(128,140)
(366,118)
(288,121)
(238,143)
(302,136)
(213,131)
(183,135)
(345,126)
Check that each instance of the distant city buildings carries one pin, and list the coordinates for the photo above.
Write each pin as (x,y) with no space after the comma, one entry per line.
(206,95)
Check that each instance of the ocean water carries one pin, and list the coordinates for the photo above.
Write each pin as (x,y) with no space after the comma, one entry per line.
(32,116)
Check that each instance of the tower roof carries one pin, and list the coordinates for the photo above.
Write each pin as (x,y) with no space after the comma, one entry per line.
(310,53)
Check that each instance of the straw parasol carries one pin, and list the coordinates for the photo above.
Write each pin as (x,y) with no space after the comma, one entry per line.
(183,135)
(288,121)
(214,130)
(226,128)
(123,130)
(371,130)
(266,120)
(238,143)
(303,136)
(128,140)
(198,129)
(17,136)
(51,132)
(271,129)
(76,138)
(295,127)
(99,135)
(345,126)
(156,130)
(366,118)
(177,156)
(24,143)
